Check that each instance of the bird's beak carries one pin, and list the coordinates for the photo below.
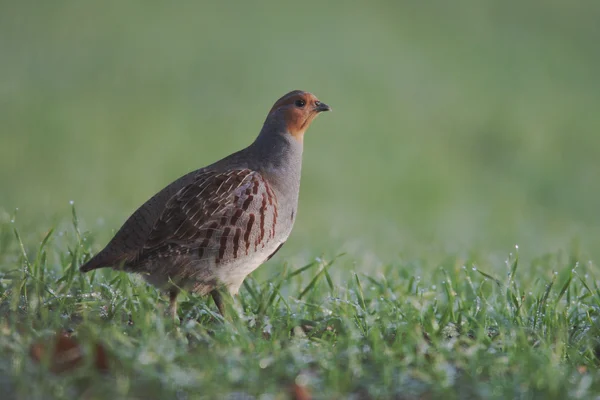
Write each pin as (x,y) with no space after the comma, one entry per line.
(319,107)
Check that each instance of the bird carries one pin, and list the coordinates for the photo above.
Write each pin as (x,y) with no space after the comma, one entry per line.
(208,230)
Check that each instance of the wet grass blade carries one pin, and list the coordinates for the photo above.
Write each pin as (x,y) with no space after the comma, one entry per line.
(360,293)
(301,270)
(314,281)
(564,289)
(490,277)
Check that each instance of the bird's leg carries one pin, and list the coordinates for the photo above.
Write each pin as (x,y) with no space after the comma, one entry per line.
(173,303)
(218,301)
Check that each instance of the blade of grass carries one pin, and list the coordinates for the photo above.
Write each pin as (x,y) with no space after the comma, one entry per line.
(361,296)
(302,269)
(314,280)
(250,290)
(564,289)
(490,277)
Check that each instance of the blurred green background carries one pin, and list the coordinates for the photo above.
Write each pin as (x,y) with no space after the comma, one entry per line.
(457,125)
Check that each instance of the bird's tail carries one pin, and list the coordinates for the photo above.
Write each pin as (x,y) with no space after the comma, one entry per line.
(90,265)
(98,261)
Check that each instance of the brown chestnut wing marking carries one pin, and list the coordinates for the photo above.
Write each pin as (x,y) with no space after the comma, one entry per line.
(189,214)
(273,253)
(244,222)
(219,215)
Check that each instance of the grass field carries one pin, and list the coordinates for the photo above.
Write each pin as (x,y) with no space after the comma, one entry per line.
(459,131)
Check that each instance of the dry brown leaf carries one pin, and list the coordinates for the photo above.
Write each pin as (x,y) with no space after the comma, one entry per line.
(300,392)
(101,360)
(66,353)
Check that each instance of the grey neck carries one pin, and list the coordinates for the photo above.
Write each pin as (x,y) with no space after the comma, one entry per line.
(278,155)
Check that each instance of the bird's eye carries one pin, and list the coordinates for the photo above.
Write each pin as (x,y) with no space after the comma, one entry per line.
(300,103)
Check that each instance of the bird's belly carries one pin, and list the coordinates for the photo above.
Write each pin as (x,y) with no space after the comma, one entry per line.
(232,274)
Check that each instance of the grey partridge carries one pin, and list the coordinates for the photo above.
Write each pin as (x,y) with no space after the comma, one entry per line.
(209,229)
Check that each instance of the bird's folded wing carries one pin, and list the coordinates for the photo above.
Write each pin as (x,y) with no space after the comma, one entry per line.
(205,213)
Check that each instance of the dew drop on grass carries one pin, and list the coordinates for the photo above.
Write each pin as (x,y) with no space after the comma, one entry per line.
(433,287)
(302,379)
(474,268)
(12,220)
(71,202)
(264,363)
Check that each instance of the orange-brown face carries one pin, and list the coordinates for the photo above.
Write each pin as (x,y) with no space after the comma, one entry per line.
(299,109)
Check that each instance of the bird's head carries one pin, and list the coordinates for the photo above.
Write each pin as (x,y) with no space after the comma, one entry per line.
(296,110)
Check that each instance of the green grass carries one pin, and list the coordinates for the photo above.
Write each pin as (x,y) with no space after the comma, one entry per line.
(459,130)
(465,328)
